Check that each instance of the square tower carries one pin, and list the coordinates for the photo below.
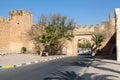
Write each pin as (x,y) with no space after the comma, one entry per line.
(20,24)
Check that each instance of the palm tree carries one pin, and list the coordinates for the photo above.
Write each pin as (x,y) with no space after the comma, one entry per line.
(97,39)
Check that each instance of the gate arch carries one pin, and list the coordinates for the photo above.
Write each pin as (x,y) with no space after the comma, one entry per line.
(72,46)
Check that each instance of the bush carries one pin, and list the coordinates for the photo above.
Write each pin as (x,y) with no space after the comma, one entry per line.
(23,49)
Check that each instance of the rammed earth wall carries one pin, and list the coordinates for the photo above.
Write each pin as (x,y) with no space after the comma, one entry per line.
(117,12)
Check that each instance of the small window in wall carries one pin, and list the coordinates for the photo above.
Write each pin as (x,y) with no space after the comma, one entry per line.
(18,23)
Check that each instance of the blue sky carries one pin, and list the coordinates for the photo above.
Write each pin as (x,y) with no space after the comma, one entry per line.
(82,11)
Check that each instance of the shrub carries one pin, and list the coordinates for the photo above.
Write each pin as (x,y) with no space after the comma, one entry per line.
(23,49)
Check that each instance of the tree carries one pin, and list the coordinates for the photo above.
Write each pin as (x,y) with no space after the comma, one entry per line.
(36,31)
(54,27)
(88,45)
(97,39)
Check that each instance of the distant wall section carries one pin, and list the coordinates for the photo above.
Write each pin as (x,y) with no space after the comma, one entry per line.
(4,34)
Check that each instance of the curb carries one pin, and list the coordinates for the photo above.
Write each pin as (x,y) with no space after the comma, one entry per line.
(28,63)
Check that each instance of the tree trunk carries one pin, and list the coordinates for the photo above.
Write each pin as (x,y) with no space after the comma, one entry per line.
(93,50)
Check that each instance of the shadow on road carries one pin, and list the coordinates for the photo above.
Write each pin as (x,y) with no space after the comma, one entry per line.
(81,63)
(67,75)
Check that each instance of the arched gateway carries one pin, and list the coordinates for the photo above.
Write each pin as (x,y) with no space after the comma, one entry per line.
(106,28)
(76,40)
(79,34)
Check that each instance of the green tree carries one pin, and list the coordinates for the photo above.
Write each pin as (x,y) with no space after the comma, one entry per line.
(97,39)
(88,45)
(54,28)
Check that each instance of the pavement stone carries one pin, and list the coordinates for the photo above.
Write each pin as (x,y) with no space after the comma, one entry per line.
(103,69)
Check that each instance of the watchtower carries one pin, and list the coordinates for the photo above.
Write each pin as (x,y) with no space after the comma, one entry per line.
(20,24)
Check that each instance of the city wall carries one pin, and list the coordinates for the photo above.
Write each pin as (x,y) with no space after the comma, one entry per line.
(14,29)
(106,28)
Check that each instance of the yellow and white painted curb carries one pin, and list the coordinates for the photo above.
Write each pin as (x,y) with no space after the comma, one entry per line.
(7,66)
(33,62)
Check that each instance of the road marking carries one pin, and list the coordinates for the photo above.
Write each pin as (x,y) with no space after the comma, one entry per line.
(8,66)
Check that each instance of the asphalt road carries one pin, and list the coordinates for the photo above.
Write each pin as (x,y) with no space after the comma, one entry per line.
(62,69)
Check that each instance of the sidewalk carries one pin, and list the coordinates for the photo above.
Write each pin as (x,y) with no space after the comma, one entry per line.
(17,60)
(103,69)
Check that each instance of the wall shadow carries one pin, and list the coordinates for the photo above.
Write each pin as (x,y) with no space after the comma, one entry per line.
(98,77)
(109,50)
(103,72)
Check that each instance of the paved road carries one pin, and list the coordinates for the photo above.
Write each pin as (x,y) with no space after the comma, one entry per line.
(62,69)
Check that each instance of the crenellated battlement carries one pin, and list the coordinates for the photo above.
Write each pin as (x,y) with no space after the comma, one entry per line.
(89,29)
(85,27)
(13,31)
(98,28)
(3,20)
(18,13)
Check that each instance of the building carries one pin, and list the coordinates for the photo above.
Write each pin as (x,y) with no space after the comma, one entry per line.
(13,31)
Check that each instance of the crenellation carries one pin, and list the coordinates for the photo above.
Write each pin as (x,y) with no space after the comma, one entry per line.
(91,26)
(1,19)
(16,12)
(80,26)
(84,29)
(93,29)
(13,30)
(105,23)
(86,26)
(97,26)
(19,13)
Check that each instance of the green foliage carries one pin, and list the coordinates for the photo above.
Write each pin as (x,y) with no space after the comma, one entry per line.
(69,36)
(86,45)
(80,45)
(53,28)
(56,28)
(23,50)
(97,38)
